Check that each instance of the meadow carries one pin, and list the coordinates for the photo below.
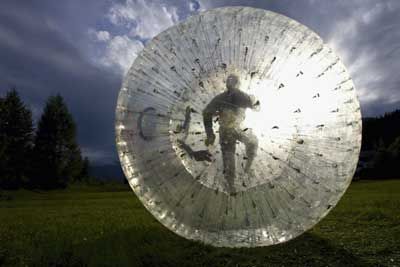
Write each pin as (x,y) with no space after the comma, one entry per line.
(108,226)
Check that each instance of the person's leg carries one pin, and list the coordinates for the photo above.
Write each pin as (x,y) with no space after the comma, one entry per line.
(228,149)
(250,141)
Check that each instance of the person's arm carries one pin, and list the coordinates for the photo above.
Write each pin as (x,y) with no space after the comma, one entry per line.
(249,101)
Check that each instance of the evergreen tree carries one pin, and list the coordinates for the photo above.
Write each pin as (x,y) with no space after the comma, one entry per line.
(385,161)
(16,133)
(394,149)
(57,155)
(386,128)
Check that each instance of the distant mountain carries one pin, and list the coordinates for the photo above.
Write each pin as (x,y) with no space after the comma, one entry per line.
(107,172)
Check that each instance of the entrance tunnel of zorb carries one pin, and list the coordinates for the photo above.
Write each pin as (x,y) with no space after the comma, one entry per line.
(253,162)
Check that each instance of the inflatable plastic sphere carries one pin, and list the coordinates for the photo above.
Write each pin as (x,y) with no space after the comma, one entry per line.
(238,127)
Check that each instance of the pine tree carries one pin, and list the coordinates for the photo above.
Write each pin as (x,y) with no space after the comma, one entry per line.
(57,155)
(394,148)
(16,133)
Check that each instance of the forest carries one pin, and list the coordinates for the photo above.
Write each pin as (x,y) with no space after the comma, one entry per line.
(380,151)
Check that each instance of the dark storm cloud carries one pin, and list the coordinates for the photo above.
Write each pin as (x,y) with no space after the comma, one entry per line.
(373,53)
(74,48)
(41,54)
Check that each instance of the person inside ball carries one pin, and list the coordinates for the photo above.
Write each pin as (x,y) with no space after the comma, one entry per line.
(230,107)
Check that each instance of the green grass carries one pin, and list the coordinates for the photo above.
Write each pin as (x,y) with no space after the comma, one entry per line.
(109,226)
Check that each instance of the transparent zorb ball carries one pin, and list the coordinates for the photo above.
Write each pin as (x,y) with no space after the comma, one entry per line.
(245,164)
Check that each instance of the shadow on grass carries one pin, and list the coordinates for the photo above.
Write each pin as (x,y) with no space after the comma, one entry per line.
(159,247)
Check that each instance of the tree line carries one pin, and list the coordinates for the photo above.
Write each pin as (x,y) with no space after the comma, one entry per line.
(48,156)
(382,130)
(44,157)
(381,144)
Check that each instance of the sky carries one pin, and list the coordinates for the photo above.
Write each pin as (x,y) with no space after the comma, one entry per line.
(82,49)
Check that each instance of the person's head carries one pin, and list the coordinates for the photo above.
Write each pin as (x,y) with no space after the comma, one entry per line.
(232,82)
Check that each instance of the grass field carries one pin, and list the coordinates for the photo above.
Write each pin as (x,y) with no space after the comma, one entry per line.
(109,226)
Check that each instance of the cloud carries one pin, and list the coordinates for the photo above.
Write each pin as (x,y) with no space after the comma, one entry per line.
(120,51)
(41,55)
(102,36)
(131,24)
(367,39)
(47,47)
(134,22)
(144,19)
(364,33)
